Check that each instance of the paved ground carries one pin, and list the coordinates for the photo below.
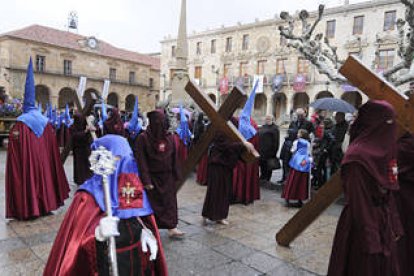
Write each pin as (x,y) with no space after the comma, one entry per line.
(245,247)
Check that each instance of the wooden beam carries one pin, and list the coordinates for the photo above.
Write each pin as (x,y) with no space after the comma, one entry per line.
(374,87)
(377,88)
(206,104)
(236,99)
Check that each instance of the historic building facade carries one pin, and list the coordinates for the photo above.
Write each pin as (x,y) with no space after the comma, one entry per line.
(60,58)
(220,58)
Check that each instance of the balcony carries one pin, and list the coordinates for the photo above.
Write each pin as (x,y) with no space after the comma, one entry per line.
(56,73)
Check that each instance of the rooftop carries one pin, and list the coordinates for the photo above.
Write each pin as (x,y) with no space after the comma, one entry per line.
(65,39)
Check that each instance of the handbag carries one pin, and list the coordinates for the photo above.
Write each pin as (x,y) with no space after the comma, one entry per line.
(273,164)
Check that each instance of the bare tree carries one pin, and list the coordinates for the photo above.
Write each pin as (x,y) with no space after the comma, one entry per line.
(324,55)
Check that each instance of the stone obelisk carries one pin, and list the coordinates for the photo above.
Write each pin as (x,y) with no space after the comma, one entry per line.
(181,77)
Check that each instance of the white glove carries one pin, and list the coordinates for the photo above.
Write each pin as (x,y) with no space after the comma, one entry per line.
(108,227)
(148,240)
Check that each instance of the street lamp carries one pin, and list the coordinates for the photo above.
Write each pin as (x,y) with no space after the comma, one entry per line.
(217,72)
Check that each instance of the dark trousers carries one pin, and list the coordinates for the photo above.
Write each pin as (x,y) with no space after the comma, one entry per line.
(265,174)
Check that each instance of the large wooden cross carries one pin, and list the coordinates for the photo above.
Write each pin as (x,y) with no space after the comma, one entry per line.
(376,88)
(219,121)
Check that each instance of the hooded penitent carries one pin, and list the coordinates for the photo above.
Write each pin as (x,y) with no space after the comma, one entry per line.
(134,125)
(77,252)
(114,124)
(31,116)
(183,130)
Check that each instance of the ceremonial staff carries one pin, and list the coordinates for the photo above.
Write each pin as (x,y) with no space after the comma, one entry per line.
(103,163)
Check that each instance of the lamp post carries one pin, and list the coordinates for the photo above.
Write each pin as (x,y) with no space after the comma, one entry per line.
(164,90)
(217,72)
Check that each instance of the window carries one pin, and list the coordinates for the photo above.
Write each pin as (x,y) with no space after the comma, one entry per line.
(330,28)
(198,72)
(303,66)
(226,70)
(229,42)
(131,77)
(213,46)
(198,49)
(151,83)
(390,18)
(40,63)
(386,59)
(243,68)
(280,66)
(245,43)
(67,67)
(358,25)
(173,51)
(260,70)
(112,73)
(283,41)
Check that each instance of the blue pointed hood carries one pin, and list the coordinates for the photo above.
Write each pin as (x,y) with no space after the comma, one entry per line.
(66,119)
(31,116)
(183,130)
(134,125)
(104,115)
(245,126)
(29,89)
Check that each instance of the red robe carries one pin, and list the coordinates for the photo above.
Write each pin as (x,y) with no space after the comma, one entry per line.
(364,243)
(246,186)
(74,249)
(63,135)
(202,171)
(405,200)
(36,183)
(181,150)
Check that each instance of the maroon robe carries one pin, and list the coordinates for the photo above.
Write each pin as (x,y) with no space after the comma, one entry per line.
(405,200)
(296,187)
(246,188)
(181,150)
(74,250)
(157,164)
(63,135)
(223,157)
(202,170)
(81,147)
(36,183)
(368,229)
(114,124)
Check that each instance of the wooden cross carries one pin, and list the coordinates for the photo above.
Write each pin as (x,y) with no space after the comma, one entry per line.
(219,121)
(375,88)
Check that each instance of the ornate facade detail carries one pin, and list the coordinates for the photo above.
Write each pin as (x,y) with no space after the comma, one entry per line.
(263,44)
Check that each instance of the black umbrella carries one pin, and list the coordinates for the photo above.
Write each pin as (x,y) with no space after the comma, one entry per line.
(333,104)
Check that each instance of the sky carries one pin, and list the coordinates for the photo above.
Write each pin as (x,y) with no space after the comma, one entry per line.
(140,25)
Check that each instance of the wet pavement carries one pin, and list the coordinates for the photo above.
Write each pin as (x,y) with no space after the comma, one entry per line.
(245,247)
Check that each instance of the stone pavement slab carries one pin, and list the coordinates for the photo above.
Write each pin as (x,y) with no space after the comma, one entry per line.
(245,247)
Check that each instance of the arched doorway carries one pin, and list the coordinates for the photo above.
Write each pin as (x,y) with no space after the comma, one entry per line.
(90,94)
(260,105)
(324,94)
(353,97)
(212,97)
(112,99)
(129,103)
(42,95)
(300,100)
(66,96)
(279,105)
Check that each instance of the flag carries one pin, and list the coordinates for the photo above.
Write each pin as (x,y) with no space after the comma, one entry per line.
(66,119)
(245,127)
